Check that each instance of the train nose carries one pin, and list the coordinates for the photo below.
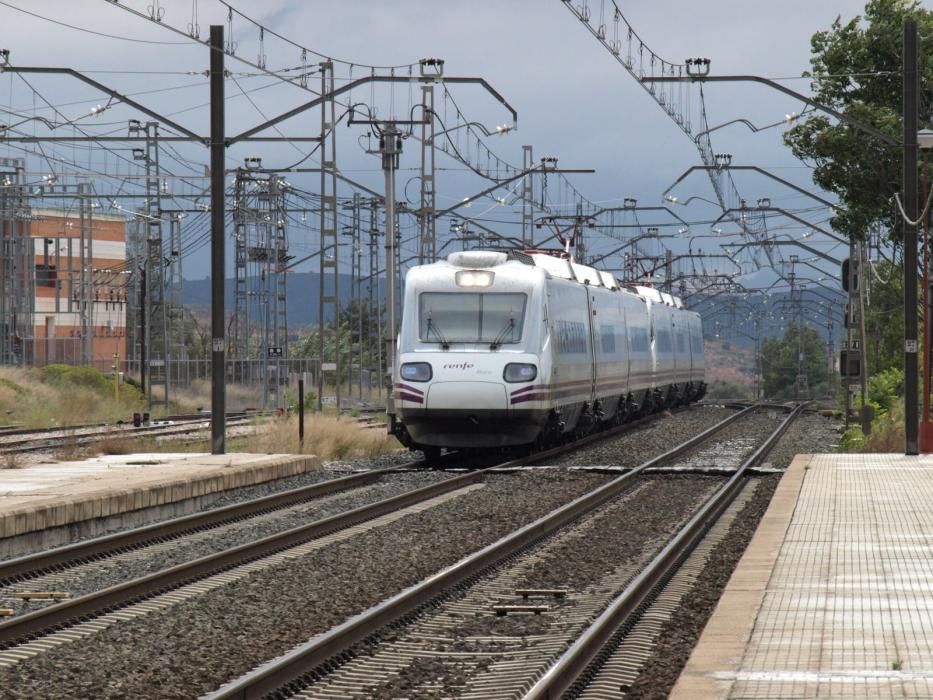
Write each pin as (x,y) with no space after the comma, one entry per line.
(466,395)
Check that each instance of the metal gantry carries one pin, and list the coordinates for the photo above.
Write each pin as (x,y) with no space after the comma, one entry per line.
(427,252)
(329,269)
(155,355)
(528,198)
(260,318)
(16,260)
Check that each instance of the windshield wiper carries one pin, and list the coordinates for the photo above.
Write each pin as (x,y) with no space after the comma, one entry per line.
(433,327)
(507,330)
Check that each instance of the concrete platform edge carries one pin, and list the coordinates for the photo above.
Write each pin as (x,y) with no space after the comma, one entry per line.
(104,503)
(722,644)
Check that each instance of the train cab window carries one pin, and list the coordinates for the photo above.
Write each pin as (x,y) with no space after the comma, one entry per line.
(468,317)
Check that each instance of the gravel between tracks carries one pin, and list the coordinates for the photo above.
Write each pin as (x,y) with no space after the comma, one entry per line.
(634,449)
(809,433)
(586,558)
(195,646)
(110,572)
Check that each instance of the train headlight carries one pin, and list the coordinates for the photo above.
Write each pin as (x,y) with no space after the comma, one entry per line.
(474,278)
(519,372)
(416,372)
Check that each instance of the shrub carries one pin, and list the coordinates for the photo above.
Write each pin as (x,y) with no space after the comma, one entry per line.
(852,440)
(78,376)
(13,386)
(327,436)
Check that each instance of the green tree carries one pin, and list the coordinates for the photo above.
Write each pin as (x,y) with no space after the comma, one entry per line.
(884,316)
(353,346)
(856,70)
(779,362)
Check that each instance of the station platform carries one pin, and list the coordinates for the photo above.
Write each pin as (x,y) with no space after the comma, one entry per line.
(834,595)
(62,500)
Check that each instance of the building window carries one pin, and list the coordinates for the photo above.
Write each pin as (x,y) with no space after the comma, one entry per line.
(46,276)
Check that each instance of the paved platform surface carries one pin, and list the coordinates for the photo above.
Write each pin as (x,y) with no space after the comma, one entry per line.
(62,493)
(834,596)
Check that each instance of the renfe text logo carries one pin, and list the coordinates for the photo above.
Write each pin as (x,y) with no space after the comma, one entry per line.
(460,365)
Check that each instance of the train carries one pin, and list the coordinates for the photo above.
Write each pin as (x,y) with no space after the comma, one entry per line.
(501,349)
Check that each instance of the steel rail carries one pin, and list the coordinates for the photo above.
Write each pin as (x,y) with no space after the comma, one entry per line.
(92,604)
(40,563)
(20,430)
(305,658)
(568,669)
(97,432)
(37,444)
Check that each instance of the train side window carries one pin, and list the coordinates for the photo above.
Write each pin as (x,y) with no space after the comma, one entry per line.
(681,343)
(697,342)
(639,338)
(607,336)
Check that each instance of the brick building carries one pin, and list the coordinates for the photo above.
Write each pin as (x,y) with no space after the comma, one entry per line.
(79,299)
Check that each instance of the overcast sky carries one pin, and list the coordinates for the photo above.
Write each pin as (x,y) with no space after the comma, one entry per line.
(573,98)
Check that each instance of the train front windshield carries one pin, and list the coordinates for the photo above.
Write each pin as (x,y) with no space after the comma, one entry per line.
(471,317)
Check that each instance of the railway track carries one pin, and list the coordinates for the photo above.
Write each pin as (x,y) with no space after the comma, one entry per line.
(61,559)
(595,665)
(54,561)
(46,568)
(327,664)
(21,440)
(36,632)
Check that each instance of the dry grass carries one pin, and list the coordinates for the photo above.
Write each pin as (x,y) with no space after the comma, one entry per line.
(70,450)
(197,395)
(117,446)
(29,398)
(327,436)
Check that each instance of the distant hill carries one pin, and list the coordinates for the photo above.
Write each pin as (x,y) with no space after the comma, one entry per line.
(302,289)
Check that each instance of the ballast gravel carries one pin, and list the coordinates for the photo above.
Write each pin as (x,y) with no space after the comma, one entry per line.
(634,448)
(685,626)
(111,572)
(197,645)
(586,557)
(810,433)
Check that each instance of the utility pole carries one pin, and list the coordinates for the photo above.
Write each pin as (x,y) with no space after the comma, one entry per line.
(528,197)
(375,308)
(218,266)
(867,412)
(142,329)
(911,382)
(329,281)
(358,269)
(86,263)
(390,147)
(427,249)
(157,347)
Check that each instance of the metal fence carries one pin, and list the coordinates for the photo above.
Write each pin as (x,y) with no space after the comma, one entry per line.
(265,383)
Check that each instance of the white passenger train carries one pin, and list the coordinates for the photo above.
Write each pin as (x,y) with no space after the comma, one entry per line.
(501,349)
